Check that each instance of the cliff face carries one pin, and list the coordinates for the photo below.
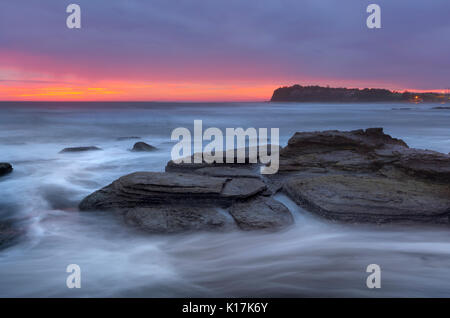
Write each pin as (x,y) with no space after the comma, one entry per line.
(298,93)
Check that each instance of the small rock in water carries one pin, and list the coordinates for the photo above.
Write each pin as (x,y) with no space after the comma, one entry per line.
(79,149)
(128,138)
(5,168)
(441,107)
(142,146)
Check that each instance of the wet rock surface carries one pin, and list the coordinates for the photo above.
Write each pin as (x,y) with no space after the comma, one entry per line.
(175,219)
(261,213)
(371,199)
(365,176)
(153,188)
(155,201)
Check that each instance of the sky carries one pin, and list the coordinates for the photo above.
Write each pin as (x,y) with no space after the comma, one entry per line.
(218,50)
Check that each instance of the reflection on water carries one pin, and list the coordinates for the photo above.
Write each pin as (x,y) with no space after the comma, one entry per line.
(314,257)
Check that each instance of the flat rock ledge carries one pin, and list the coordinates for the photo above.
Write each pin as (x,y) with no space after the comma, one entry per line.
(5,168)
(170,202)
(372,199)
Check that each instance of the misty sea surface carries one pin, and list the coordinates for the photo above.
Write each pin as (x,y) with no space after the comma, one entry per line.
(314,257)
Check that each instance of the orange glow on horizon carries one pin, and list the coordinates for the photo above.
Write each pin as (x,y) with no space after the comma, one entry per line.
(141,91)
(125,91)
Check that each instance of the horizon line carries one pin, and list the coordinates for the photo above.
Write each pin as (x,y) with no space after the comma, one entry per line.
(134,101)
(231,100)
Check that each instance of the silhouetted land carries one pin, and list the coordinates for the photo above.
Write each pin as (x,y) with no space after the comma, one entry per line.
(298,93)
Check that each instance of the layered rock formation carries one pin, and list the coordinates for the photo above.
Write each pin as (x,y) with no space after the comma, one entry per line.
(354,176)
(365,176)
(172,202)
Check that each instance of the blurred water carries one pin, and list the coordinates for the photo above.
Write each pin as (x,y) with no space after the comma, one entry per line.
(312,258)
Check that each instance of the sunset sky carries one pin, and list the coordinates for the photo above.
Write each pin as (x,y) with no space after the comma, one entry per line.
(217,50)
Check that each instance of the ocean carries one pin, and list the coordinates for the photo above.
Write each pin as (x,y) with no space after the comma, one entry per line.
(314,257)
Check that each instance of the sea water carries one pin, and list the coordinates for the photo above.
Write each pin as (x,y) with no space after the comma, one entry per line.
(314,257)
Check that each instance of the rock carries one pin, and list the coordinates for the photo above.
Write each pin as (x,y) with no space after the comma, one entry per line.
(245,165)
(127,138)
(79,149)
(441,107)
(261,213)
(241,188)
(5,168)
(359,151)
(142,146)
(372,199)
(425,164)
(344,150)
(365,176)
(173,202)
(150,188)
(155,188)
(175,219)
(229,172)
(192,197)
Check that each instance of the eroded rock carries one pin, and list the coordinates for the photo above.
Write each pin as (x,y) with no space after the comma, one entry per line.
(353,150)
(153,188)
(372,199)
(175,202)
(176,219)
(157,188)
(261,213)
(365,176)
(242,188)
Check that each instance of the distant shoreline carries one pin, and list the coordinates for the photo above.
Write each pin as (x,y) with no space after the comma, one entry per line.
(298,93)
